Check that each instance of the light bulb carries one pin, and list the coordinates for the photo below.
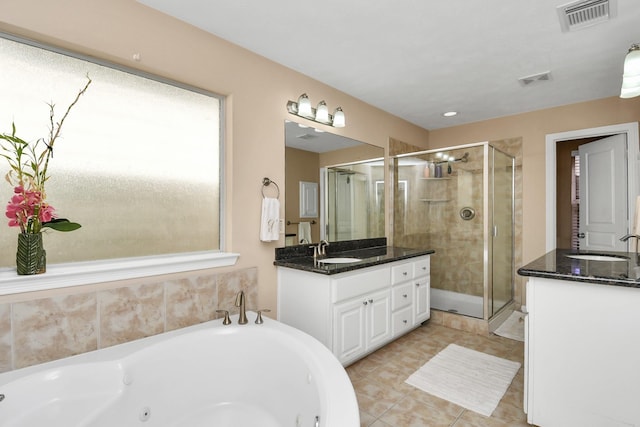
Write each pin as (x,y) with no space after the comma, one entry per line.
(322,112)
(338,118)
(304,106)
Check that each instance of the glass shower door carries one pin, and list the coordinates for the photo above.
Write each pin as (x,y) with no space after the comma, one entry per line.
(503,167)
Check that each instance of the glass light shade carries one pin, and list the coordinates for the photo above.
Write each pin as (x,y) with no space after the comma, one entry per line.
(304,106)
(632,61)
(630,92)
(322,113)
(338,118)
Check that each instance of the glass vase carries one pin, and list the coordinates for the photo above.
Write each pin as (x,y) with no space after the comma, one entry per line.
(31,258)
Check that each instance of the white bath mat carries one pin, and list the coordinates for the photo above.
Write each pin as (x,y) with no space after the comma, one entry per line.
(513,327)
(472,379)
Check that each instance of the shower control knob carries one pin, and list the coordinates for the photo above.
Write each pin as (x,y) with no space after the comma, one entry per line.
(364,303)
(371,301)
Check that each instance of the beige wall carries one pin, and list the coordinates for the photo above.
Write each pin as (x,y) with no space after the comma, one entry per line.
(257,91)
(300,166)
(533,127)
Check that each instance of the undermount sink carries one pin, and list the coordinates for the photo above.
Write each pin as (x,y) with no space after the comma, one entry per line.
(338,260)
(594,257)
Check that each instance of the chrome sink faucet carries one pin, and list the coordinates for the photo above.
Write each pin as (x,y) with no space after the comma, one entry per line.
(627,237)
(322,247)
(240,302)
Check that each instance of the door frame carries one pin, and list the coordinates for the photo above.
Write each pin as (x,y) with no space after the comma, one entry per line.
(633,156)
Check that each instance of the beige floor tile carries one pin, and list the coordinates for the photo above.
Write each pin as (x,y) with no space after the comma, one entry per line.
(386,400)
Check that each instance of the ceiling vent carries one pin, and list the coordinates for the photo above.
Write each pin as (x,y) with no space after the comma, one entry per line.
(581,14)
(306,136)
(540,77)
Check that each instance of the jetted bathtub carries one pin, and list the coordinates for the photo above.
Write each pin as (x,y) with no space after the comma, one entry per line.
(267,375)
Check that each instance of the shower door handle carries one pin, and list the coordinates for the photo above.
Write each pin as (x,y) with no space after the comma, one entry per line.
(580,235)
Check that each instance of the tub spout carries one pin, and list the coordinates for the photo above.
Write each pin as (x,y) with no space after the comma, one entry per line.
(240,302)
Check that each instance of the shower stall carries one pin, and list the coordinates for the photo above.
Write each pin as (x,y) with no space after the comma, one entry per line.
(459,201)
(352,202)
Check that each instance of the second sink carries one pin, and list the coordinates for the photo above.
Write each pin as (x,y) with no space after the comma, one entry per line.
(594,257)
(343,260)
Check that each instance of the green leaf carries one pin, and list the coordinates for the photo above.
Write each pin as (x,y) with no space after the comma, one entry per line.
(61,224)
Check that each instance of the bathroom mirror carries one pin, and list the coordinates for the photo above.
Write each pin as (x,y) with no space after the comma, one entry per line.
(350,177)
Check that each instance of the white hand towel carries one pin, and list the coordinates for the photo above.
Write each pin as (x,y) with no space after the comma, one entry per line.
(304,232)
(270,220)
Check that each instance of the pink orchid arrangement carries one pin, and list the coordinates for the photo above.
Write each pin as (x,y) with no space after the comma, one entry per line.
(29,163)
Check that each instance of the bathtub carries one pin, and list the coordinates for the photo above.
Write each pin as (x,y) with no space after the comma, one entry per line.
(268,375)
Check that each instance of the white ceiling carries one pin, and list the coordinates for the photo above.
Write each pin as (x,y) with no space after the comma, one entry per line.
(419,58)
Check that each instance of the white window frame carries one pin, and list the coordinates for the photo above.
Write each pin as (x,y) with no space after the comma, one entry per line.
(65,275)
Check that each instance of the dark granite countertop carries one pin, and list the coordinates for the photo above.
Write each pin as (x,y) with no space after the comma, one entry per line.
(371,252)
(557,265)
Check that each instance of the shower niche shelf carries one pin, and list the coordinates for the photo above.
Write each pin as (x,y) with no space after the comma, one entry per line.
(435,200)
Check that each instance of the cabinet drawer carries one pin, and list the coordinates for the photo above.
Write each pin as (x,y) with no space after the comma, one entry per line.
(401,272)
(422,267)
(401,296)
(401,321)
(359,282)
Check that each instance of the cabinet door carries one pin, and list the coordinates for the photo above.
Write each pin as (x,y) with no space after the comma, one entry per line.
(421,300)
(349,329)
(378,318)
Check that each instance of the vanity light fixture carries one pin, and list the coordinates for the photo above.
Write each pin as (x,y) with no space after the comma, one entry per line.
(631,75)
(303,108)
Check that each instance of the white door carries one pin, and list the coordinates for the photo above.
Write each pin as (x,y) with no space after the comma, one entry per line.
(603,194)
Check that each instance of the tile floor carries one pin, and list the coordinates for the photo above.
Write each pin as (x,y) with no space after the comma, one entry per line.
(386,401)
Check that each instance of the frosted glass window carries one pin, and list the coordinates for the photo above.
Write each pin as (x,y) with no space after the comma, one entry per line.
(138,163)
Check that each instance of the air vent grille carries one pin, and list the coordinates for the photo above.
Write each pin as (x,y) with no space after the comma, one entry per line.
(540,77)
(577,15)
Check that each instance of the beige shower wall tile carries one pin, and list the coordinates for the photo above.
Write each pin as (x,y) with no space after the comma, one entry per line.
(130,313)
(229,284)
(190,301)
(5,337)
(53,328)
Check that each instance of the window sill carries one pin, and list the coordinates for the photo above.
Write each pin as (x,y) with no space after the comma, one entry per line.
(91,272)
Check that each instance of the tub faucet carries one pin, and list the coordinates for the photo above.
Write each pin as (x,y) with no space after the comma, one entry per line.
(240,301)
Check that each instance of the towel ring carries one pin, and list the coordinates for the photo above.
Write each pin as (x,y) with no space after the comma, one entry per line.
(265,183)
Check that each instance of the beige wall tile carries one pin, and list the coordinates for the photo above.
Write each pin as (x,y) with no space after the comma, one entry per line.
(191,300)
(5,337)
(130,313)
(53,328)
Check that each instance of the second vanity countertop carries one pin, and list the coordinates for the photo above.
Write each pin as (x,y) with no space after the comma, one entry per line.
(371,252)
(557,265)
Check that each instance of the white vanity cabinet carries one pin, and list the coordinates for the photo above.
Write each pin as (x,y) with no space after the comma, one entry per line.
(356,312)
(582,352)
(361,324)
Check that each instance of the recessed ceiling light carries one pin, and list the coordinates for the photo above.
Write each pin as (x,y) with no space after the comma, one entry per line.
(450,113)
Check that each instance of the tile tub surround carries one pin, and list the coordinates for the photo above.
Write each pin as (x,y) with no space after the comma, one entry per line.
(40,330)
(370,251)
(556,265)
